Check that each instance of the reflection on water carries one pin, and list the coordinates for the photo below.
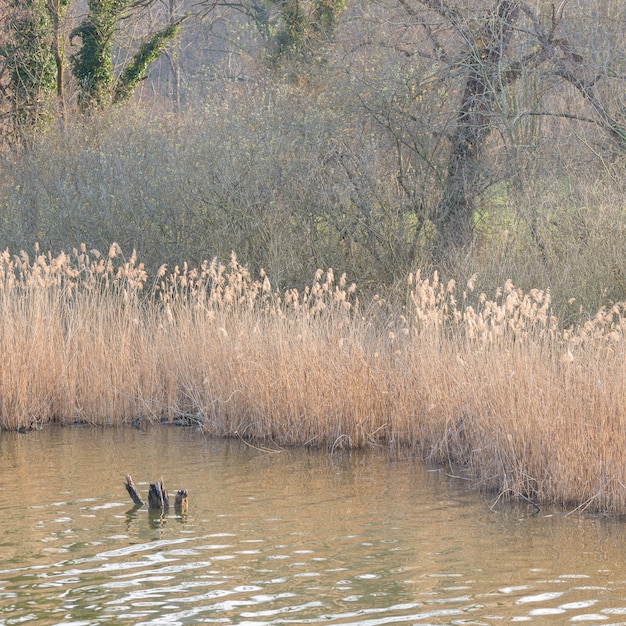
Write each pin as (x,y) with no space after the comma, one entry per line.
(292,537)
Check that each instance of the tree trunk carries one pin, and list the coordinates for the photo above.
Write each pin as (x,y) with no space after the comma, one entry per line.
(55,10)
(173,57)
(454,215)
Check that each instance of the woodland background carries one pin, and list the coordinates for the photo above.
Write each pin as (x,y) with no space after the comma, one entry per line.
(375,137)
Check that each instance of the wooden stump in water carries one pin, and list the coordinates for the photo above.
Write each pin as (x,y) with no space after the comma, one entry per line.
(158,500)
(180,502)
(132,491)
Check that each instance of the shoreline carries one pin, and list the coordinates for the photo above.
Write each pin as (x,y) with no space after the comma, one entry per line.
(488,384)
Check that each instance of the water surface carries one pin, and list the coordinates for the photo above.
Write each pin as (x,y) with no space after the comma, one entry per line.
(289,537)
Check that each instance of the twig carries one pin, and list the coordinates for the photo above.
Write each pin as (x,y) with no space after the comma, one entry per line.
(260,449)
(583,506)
(523,497)
(455,476)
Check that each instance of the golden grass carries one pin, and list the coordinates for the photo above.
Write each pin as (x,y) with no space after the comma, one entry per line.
(492,384)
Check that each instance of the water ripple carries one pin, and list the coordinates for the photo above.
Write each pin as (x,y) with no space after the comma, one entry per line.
(295,538)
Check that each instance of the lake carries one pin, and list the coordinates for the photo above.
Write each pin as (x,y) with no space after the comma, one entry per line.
(282,537)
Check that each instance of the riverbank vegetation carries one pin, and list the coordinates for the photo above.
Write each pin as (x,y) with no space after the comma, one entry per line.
(488,382)
(406,144)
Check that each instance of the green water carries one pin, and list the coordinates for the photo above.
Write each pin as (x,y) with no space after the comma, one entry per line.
(288,537)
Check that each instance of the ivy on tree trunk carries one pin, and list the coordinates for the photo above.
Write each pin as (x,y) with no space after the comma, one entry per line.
(32,64)
(92,65)
(135,70)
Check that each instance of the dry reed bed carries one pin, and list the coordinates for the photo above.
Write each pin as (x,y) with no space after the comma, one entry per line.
(493,385)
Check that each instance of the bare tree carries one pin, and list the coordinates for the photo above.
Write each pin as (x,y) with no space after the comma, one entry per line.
(463,71)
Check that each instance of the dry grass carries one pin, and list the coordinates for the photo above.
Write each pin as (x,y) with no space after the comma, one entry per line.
(492,384)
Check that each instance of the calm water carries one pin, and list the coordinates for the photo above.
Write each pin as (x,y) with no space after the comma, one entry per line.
(286,538)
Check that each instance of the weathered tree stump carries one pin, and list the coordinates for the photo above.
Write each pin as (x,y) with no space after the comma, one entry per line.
(180,502)
(132,491)
(158,500)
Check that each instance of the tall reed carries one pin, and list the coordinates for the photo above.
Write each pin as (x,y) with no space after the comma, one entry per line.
(491,384)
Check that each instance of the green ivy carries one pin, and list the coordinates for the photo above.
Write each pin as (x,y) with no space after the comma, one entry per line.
(135,70)
(325,15)
(31,61)
(295,25)
(92,65)
(290,36)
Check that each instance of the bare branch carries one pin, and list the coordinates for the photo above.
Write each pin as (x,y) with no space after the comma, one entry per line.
(563,115)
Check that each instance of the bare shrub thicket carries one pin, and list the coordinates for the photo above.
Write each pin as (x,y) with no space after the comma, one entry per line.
(283,180)
(564,233)
(267,172)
